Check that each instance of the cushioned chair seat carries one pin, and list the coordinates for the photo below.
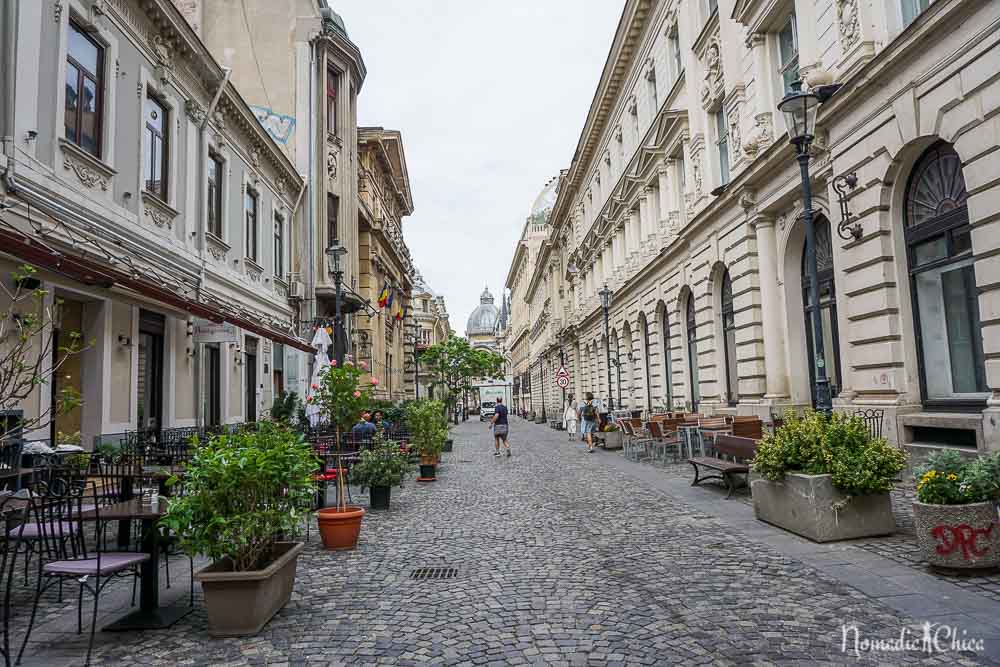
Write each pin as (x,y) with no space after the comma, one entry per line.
(111,562)
(33,531)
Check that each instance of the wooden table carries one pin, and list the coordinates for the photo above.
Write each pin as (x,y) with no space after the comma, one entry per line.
(150,616)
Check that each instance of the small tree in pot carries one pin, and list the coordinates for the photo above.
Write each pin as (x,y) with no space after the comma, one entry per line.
(955,513)
(241,492)
(429,429)
(379,469)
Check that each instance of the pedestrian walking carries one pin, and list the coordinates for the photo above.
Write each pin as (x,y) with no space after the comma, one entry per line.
(500,427)
(570,418)
(589,415)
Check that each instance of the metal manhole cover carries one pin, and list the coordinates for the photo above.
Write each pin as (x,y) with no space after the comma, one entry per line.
(426,573)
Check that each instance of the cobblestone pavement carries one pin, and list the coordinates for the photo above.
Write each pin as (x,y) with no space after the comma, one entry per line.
(562,558)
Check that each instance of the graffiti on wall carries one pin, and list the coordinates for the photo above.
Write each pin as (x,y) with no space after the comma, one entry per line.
(280,127)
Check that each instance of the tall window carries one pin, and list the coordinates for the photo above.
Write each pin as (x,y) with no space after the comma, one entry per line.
(828,309)
(215,167)
(692,348)
(332,232)
(722,132)
(84,83)
(250,209)
(729,340)
(156,137)
(331,101)
(279,246)
(912,9)
(674,45)
(788,53)
(943,282)
(425,305)
(668,375)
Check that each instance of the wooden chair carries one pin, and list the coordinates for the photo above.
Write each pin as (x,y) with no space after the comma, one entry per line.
(748,426)
(709,428)
(663,441)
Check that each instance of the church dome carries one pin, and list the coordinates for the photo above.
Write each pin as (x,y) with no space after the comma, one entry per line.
(483,319)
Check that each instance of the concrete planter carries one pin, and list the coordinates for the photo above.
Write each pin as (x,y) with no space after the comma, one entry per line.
(241,603)
(958,537)
(612,439)
(804,504)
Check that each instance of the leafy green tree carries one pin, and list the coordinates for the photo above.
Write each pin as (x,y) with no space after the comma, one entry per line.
(26,351)
(454,365)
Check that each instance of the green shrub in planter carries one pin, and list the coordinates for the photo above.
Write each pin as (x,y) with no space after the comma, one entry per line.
(428,426)
(385,464)
(242,492)
(839,445)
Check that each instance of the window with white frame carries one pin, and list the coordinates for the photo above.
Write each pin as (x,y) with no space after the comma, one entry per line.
(788,53)
(279,246)
(674,48)
(722,141)
(912,9)
(216,169)
(156,137)
(84,84)
(251,207)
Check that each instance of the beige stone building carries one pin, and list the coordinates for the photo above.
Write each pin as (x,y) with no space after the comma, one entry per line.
(428,325)
(683,197)
(384,199)
(159,212)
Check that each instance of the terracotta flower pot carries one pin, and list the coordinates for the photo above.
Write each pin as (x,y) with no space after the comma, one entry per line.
(958,537)
(340,529)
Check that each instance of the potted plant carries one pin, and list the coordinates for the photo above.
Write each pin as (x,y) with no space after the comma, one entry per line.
(825,478)
(955,513)
(241,492)
(429,429)
(612,436)
(379,469)
(342,396)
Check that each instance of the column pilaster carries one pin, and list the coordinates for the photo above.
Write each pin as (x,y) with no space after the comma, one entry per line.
(774,342)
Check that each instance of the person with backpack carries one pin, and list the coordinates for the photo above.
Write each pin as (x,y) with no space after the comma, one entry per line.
(589,415)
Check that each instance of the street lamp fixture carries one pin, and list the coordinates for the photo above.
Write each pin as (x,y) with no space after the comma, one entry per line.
(334,253)
(799,109)
(605,295)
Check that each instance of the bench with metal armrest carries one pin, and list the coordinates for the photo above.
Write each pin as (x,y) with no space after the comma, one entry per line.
(739,450)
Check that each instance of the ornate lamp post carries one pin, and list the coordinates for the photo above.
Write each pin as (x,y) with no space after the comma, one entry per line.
(605,295)
(799,110)
(334,253)
(414,328)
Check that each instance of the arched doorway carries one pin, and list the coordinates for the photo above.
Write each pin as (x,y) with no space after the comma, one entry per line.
(943,283)
(644,333)
(729,340)
(828,309)
(668,376)
(692,351)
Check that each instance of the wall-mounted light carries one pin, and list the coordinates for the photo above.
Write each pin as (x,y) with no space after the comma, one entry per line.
(124,341)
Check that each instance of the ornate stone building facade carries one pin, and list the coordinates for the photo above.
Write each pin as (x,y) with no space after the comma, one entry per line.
(164,220)
(384,199)
(429,325)
(683,197)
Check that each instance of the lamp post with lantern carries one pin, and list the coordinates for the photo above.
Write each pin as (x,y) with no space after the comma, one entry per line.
(605,295)
(334,253)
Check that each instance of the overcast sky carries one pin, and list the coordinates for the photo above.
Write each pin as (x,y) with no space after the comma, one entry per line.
(491,96)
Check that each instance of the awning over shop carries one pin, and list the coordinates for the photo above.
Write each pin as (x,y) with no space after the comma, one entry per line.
(90,272)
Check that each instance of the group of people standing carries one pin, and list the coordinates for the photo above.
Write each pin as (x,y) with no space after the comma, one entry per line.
(585,416)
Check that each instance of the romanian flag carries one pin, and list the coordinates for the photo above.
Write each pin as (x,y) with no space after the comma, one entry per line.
(400,311)
(385,296)
(388,302)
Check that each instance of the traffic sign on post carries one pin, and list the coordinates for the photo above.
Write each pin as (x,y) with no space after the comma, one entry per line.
(562,381)
(562,372)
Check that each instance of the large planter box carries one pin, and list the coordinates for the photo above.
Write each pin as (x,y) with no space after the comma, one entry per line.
(958,537)
(241,603)
(806,505)
(612,439)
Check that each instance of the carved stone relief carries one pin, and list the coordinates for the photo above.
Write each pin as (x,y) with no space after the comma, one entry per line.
(760,136)
(331,164)
(88,175)
(848,23)
(713,86)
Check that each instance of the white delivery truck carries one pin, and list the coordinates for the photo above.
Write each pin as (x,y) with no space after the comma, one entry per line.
(488,395)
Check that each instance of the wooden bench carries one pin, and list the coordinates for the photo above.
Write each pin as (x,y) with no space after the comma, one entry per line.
(741,449)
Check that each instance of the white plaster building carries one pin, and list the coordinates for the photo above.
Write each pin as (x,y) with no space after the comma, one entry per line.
(684,195)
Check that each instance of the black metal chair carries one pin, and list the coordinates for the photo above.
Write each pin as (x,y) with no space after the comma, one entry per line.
(59,515)
(13,508)
(873,418)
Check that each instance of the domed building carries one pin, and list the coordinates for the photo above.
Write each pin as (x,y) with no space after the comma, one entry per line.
(481,329)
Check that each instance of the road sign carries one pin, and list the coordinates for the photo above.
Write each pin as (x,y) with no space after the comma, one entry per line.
(562,372)
(562,381)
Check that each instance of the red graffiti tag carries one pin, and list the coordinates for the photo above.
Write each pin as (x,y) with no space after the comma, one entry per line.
(962,536)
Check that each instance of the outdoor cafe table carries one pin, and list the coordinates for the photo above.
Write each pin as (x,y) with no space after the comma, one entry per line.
(150,616)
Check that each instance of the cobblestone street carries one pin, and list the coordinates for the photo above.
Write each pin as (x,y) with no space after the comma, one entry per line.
(568,558)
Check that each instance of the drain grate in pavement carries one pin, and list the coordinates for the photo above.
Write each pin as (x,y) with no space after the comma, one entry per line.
(428,573)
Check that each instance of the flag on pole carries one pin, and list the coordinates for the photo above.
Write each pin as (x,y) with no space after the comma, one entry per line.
(400,310)
(388,303)
(385,296)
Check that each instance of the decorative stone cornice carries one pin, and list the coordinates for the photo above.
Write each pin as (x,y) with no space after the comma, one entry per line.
(157,211)
(91,172)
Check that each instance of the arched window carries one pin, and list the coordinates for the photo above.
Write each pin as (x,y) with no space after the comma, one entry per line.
(729,340)
(692,345)
(828,309)
(644,332)
(668,376)
(943,282)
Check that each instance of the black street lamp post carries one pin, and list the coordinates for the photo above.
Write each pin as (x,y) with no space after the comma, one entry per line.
(799,110)
(541,382)
(334,253)
(414,328)
(605,294)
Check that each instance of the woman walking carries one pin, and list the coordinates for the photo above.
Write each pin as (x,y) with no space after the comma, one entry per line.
(589,415)
(570,418)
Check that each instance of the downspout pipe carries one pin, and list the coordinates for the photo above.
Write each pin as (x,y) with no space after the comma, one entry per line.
(10,30)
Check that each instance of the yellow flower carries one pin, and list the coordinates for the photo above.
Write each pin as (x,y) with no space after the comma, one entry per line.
(952,477)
